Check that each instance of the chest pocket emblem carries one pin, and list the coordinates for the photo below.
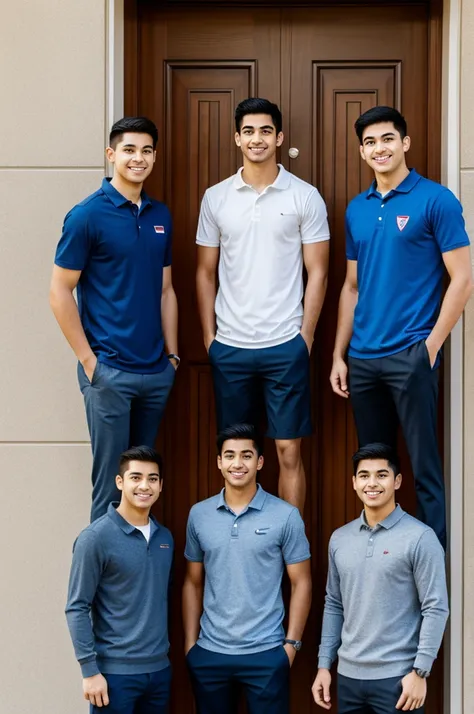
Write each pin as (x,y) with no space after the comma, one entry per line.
(402,221)
(262,531)
(159,229)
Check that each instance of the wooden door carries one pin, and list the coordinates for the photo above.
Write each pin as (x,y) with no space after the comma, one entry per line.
(187,67)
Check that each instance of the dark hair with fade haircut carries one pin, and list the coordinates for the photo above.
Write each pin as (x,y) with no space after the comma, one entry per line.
(140,453)
(377,450)
(239,431)
(256,105)
(377,115)
(135,125)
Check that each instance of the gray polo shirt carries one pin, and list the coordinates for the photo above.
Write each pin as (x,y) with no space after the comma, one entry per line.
(244,558)
(386,599)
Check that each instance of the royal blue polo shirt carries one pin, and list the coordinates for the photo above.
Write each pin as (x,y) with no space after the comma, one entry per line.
(398,241)
(121,250)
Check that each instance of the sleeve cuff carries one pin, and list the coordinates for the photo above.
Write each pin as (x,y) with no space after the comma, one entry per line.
(90,668)
(423,661)
(324,663)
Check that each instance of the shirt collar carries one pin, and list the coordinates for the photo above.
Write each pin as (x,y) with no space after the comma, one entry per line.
(281,182)
(117,198)
(121,522)
(257,501)
(405,186)
(391,520)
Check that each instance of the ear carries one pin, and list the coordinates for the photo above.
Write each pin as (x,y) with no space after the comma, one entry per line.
(154,156)
(219,462)
(237,139)
(119,482)
(110,155)
(280,138)
(354,483)
(398,482)
(406,143)
(260,463)
(361,149)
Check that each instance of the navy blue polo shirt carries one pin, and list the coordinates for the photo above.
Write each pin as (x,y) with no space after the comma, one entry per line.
(398,241)
(121,251)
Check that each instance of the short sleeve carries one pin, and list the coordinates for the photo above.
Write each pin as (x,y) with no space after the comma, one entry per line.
(75,242)
(169,241)
(208,233)
(193,550)
(295,546)
(314,226)
(447,222)
(351,251)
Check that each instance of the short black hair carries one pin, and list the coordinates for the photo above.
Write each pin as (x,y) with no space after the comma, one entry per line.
(239,431)
(255,105)
(140,453)
(377,450)
(135,125)
(377,115)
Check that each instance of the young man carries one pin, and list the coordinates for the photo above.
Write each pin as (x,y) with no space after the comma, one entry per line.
(116,249)
(401,235)
(117,608)
(386,599)
(238,545)
(258,228)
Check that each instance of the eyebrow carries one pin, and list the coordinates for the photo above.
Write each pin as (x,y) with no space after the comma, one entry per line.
(265,126)
(379,471)
(134,146)
(139,473)
(387,133)
(229,451)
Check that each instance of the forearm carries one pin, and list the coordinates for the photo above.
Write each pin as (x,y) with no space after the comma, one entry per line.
(453,304)
(313,302)
(333,621)
(345,320)
(431,636)
(300,604)
(65,310)
(169,320)
(192,610)
(206,286)
(82,636)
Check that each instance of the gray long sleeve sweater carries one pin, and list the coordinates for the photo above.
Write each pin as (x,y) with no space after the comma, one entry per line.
(386,599)
(117,607)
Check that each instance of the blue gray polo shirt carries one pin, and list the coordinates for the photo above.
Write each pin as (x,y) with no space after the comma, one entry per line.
(121,251)
(398,241)
(386,599)
(117,606)
(244,559)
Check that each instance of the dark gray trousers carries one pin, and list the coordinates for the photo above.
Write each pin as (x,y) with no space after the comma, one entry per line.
(369,696)
(123,409)
(402,388)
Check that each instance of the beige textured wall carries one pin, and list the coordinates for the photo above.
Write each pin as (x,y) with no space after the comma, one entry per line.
(467,197)
(52,85)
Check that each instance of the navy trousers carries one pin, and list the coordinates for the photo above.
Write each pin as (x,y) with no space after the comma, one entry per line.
(370,696)
(123,409)
(402,388)
(137,693)
(216,679)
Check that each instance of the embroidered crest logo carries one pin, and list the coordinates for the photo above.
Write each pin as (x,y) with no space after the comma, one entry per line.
(159,229)
(402,221)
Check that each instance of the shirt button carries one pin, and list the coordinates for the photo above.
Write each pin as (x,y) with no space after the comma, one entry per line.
(235,525)
(383,204)
(380,218)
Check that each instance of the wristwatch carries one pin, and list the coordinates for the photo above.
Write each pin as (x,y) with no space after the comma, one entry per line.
(297,644)
(423,673)
(173,356)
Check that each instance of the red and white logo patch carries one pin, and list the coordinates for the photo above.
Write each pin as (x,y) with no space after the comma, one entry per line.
(402,221)
(159,229)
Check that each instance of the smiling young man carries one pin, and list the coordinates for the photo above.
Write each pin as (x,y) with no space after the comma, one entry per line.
(386,599)
(117,608)
(238,545)
(258,229)
(116,250)
(402,236)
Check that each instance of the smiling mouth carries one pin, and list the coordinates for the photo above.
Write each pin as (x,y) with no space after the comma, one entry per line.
(381,159)
(373,494)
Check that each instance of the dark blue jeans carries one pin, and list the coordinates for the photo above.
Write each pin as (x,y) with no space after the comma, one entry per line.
(369,696)
(137,693)
(123,409)
(216,677)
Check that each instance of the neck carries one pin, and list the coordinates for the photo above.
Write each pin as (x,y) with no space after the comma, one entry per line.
(239,498)
(259,176)
(377,515)
(135,516)
(131,191)
(387,182)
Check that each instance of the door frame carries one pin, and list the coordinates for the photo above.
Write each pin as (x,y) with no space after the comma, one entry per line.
(443,164)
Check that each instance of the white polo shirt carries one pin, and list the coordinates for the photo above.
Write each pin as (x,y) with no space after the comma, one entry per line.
(260,235)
